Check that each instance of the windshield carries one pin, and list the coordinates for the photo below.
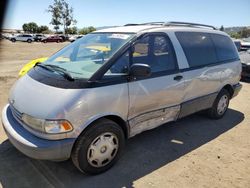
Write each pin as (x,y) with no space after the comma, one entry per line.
(85,56)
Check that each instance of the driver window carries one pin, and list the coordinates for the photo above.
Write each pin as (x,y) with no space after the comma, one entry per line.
(120,67)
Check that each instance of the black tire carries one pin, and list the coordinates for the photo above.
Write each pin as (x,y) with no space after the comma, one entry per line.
(45,41)
(214,112)
(81,150)
(29,40)
(58,41)
(13,40)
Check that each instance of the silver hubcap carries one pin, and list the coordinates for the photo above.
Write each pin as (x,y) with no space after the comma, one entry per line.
(103,149)
(222,105)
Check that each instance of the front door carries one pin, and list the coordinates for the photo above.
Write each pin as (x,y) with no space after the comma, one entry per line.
(156,99)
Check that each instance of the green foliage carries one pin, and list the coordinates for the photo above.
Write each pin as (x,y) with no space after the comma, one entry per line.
(42,29)
(47,32)
(222,28)
(87,30)
(244,33)
(62,14)
(71,30)
(31,27)
(55,10)
(235,35)
(67,15)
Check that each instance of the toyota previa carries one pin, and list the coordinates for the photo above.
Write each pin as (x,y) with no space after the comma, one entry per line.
(88,98)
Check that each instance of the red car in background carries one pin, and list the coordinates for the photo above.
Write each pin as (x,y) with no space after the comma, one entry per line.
(52,39)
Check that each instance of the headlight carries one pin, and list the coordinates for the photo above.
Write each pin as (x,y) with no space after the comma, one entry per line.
(57,126)
(47,126)
(37,124)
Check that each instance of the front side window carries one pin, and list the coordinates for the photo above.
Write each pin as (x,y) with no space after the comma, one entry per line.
(156,51)
(120,67)
(198,48)
(84,57)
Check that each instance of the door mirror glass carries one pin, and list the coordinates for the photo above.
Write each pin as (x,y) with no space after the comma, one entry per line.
(140,70)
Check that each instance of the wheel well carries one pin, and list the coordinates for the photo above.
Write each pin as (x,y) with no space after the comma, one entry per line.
(120,122)
(117,120)
(230,89)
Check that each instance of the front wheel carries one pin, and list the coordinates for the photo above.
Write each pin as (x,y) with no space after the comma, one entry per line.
(99,147)
(220,105)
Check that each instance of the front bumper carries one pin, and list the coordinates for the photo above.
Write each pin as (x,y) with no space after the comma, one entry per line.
(32,146)
(237,89)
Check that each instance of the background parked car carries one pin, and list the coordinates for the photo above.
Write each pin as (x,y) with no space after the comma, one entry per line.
(23,38)
(64,37)
(245,45)
(73,38)
(238,45)
(52,39)
(245,61)
(38,37)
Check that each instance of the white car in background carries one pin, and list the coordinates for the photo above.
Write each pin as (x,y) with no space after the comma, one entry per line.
(75,37)
(23,38)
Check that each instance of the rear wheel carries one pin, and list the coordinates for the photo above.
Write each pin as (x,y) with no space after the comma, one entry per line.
(58,41)
(29,40)
(220,105)
(99,147)
(13,40)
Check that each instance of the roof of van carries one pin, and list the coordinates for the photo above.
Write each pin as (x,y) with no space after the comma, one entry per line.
(157,28)
(128,29)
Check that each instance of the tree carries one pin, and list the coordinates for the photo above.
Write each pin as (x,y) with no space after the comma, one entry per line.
(71,30)
(67,16)
(62,14)
(222,28)
(47,32)
(235,35)
(31,27)
(25,27)
(244,33)
(91,29)
(42,29)
(86,30)
(56,10)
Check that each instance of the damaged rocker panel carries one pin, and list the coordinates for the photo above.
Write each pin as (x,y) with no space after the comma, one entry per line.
(153,119)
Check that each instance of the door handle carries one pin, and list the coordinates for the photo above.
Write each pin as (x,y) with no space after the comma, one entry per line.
(178,77)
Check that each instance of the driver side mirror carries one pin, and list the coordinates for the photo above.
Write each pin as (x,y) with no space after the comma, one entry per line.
(140,70)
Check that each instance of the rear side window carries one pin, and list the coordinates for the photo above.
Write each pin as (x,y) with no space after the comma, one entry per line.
(198,48)
(224,47)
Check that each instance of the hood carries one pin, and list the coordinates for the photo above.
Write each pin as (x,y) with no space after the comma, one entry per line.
(39,100)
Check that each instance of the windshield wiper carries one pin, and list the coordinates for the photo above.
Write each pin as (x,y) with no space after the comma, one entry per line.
(42,65)
(55,68)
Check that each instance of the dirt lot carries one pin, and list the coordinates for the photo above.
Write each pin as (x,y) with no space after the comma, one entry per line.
(193,152)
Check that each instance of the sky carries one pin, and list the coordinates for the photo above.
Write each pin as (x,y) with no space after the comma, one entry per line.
(100,13)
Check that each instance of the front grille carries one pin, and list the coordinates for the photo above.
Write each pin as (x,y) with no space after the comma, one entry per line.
(17,115)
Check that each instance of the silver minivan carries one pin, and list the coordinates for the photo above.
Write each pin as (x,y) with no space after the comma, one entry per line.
(88,98)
